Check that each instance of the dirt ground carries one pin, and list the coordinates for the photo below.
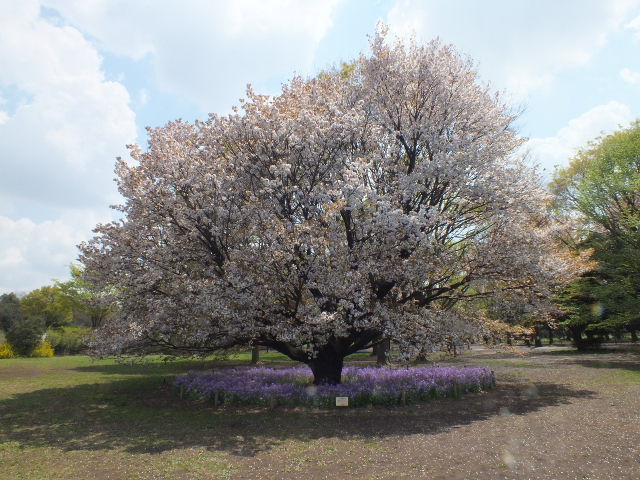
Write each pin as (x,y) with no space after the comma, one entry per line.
(555,414)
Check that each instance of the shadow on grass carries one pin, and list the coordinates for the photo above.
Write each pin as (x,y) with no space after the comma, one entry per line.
(628,365)
(153,368)
(621,356)
(177,367)
(605,349)
(144,416)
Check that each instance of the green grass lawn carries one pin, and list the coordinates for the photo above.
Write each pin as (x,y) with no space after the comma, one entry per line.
(77,417)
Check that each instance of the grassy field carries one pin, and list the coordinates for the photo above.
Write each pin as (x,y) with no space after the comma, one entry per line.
(554,414)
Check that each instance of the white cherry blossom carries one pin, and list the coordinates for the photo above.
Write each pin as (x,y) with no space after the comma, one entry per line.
(353,207)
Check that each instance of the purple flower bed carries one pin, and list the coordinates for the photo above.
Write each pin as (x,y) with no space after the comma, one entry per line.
(363,386)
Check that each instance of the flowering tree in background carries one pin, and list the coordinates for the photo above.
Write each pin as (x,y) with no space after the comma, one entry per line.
(356,206)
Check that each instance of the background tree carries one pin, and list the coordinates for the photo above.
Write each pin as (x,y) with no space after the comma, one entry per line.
(354,207)
(580,309)
(601,188)
(515,317)
(10,311)
(26,334)
(85,299)
(48,303)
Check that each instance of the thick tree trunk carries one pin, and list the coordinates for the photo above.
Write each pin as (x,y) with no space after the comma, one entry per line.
(327,367)
(382,351)
(550,336)
(634,336)
(255,355)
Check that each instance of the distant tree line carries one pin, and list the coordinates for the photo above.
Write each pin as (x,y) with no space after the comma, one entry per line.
(62,314)
(600,192)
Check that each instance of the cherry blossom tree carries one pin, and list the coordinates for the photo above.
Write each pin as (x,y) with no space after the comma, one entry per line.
(357,206)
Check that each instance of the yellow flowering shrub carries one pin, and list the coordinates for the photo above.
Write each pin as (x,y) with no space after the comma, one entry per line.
(6,351)
(44,349)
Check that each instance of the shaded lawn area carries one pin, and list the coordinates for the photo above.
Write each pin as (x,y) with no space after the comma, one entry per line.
(73,417)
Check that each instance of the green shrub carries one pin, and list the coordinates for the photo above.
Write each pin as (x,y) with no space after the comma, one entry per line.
(26,334)
(44,349)
(6,351)
(10,311)
(68,340)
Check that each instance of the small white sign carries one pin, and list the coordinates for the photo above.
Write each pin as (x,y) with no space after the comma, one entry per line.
(342,401)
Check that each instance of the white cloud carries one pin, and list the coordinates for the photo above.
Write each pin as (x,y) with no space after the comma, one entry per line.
(32,254)
(59,144)
(61,125)
(630,76)
(555,151)
(62,121)
(143,96)
(520,46)
(207,51)
(634,25)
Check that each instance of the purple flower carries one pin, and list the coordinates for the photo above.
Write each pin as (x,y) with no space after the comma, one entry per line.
(363,386)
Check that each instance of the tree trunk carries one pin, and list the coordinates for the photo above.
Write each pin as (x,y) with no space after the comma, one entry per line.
(576,335)
(422,357)
(536,337)
(634,336)
(382,352)
(255,355)
(550,336)
(327,367)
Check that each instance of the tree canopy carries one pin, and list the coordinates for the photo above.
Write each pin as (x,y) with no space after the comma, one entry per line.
(355,206)
(10,311)
(49,304)
(85,298)
(601,189)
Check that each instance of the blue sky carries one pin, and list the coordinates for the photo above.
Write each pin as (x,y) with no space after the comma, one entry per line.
(80,79)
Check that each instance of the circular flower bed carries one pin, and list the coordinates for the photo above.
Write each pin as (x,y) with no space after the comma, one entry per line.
(363,386)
